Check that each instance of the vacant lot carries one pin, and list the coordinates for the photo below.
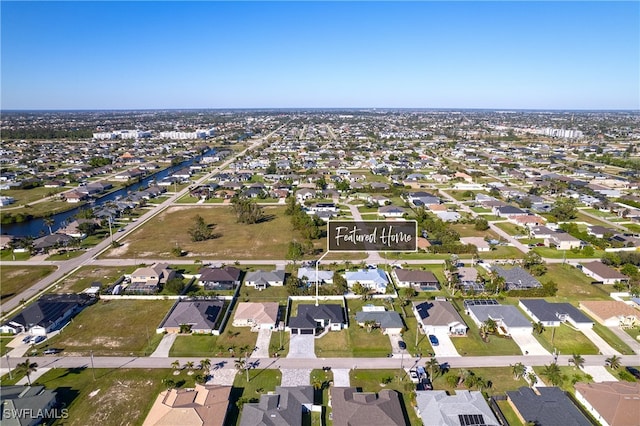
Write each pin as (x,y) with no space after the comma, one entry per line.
(114,328)
(16,279)
(116,397)
(566,340)
(573,285)
(86,275)
(266,240)
(469,230)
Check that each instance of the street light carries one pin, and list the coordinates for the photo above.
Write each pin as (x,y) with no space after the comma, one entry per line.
(93,370)
(9,366)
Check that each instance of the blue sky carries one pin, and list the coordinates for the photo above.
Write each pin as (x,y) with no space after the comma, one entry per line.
(124,55)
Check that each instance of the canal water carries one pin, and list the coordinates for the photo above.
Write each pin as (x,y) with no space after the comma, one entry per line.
(36,227)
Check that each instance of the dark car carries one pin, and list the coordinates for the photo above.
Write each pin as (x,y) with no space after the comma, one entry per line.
(402,344)
(51,351)
(634,372)
(434,340)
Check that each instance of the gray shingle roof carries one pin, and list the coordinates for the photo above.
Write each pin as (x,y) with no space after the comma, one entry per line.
(517,278)
(200,314)
(551,408)
(439,409)
(434,312)
(386,319)
(509,314)
(283,408)
(546,311)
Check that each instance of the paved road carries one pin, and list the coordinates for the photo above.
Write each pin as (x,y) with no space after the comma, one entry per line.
(313,363)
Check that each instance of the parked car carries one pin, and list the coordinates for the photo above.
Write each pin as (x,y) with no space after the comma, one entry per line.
(27,339)
(413,375)
(634,372)
(51,351)
(434,340)
(402,345)
(37,339)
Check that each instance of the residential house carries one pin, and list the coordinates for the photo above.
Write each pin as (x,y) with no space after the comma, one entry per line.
(516,278)
(600,231)
(545,406)
(389,322)
(439,317)
(422,198)
(311,318)
(468,279)
(562,241)
(200,315)
(203,405)
(48,242)
(481,244)
(508,211)
(74,196)
(612,313)
(528,221)
(508,317)
(50,312)
(373,279)
(353,408)
(22,404)
(286,406)
(305,194)
(448,216)
(225,278)
(308,275)
(610,403)
(257,315)
(553,314)
(391,211)
(149,279)
(262,279)
(541,232)
(603,273)
(437,408)
(419,280)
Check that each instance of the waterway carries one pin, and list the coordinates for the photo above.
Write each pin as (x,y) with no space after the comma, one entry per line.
(36,227)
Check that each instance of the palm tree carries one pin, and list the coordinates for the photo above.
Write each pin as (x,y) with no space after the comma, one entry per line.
(532,379)
(175,365)
(553,373)
(206,365)
(240,365)
(27,367)
(189,366)
(538,327)
(432,365)
(613,362)
(48,222)
(577,360)
(518,370)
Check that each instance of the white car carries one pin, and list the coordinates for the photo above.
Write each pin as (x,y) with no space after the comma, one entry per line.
(413,375)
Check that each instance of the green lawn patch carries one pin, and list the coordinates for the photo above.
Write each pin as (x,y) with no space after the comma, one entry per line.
(511,228)
(116,397)
(566,340)
(16,279)
(113,328)
(66,255)
(196,345)
(4,341)
(573,285)
(7,255)
(261,381)
(469,230)
(501,252)
(613,340)
(553,253)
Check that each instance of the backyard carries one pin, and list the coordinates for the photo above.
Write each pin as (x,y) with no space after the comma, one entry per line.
(86,275)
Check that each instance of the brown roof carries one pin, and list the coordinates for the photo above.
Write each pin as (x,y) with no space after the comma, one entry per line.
(352,408)
(260,313)
(415,276)
(205,405)
(606,309)
(617,402)
(604,271)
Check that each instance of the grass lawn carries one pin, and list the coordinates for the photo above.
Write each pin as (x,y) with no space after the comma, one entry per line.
(511,228)
(7,254)
(553,253)
(501,252)
(26,196)
(566,340)
(353,342)
(573,285)
(83,277)
(501,379)
(16,279)
(113,328)
(570,376)
(396,379)
(581,217)
(632,227)
(460,194)
(4,341)
(266,240)
(68,254)
(613,340)
(469,230)
(116,397)
(279,339)
(203,345)
(508,413)
(480,210)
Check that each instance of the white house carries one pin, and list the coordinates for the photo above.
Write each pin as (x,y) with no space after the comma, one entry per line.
(603,273)
(374,279)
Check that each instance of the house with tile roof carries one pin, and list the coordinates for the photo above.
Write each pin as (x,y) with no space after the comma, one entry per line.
(203,405)
(603,273)
(611,313)
(257,315)
(611,403)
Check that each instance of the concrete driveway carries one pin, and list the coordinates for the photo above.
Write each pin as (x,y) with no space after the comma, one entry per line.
(302,346)
(341,377)
(395,348)
(262,344)
(445,345)
(604,347)
(599,373)
(162,351)
(529,345)
(296,377)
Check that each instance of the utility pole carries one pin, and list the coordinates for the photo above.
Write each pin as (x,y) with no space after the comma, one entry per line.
(93,370)
(9,366)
